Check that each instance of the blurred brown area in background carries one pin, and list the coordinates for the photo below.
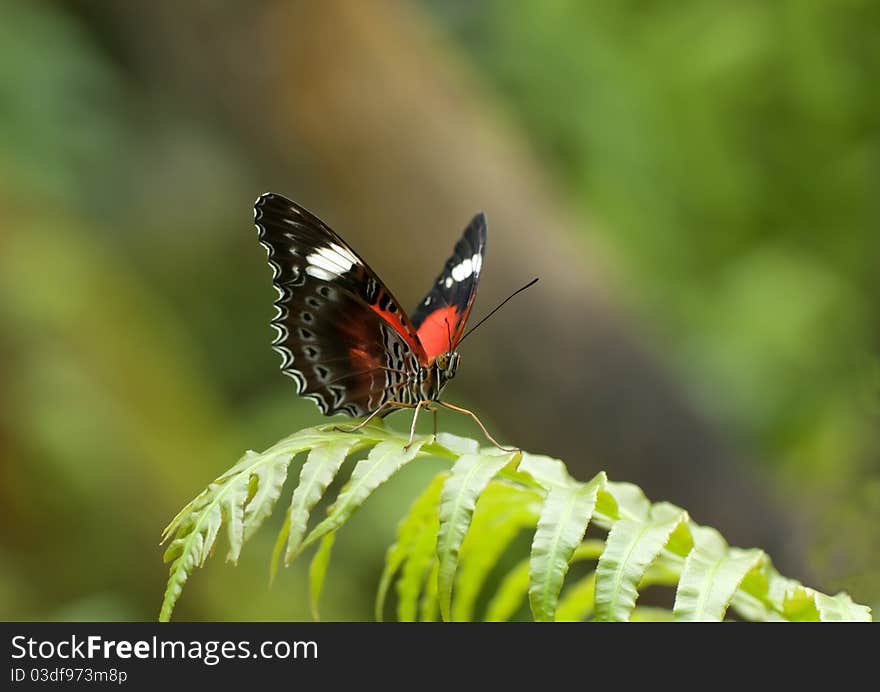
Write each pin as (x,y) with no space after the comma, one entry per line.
(370,116)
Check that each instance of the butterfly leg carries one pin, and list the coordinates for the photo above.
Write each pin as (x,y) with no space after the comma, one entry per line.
(480,423)
(412,428)
(355,428)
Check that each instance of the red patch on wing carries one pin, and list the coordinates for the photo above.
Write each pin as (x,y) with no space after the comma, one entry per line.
(437,330)
(397,323)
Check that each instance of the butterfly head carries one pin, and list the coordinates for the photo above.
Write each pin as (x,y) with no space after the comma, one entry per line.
(445,366)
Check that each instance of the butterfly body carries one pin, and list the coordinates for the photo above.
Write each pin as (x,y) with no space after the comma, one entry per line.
(342,335)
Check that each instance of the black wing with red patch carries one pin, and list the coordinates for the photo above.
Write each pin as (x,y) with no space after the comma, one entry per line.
(441,315)
(341,333)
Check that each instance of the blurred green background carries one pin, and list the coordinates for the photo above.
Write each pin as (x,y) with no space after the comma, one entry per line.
(696,183)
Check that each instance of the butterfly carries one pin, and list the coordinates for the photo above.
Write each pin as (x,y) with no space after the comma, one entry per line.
(344,338)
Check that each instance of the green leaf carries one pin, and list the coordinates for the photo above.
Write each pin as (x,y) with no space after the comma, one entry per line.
(515,585)
(321,467)
(242,498)
(470,475)
(422,517)
(278,549)
(458,445)
(711,575)
(416,569)
(418,565)
(501,513)
(839,608)
(545,470)
(578,600)
(455,533)
(803,604)
(318,571)
(383,461)
(196,526)
(270,478)
(430,607)
(510,594)
(588,550)
(564,517)
(632,546)
(630,501)
(232,509)
(189,551)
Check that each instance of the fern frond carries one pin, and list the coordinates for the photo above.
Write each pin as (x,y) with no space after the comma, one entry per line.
(414,583)
(318,572)
(515,585)
(631,548)
(430,606)
(711,575)
(422,518)
(578,601)
(567,511)
(459,527)
(321,467)
(501,513)
(510,594)
(383,461)
(470,476)
(196,526)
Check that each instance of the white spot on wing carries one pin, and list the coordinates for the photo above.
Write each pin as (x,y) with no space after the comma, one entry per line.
(333,259)
(344,252)
(321,273)
(477,262)
(449,282)
(462,271)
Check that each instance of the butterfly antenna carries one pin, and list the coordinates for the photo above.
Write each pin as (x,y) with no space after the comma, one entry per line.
(519,290)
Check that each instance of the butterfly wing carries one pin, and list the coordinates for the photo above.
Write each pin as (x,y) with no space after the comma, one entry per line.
(342,336)
(440,317)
